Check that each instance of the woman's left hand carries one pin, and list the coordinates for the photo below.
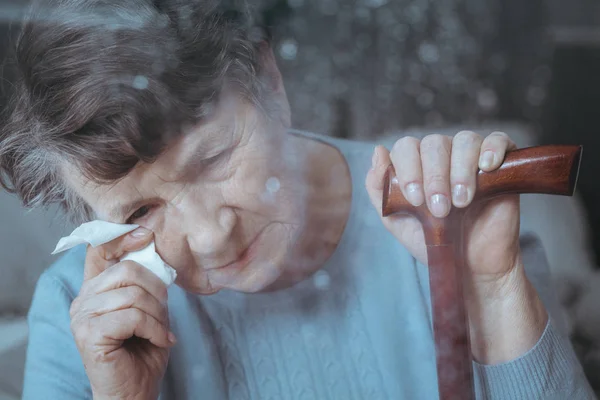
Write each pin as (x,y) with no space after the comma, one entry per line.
(441,172)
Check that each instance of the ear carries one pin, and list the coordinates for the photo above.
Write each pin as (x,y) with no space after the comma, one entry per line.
(273,79)
(271,72)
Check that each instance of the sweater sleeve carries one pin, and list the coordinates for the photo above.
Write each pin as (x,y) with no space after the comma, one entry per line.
(550,370)
(53,368)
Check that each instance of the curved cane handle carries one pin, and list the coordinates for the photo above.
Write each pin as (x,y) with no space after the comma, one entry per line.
(539,169)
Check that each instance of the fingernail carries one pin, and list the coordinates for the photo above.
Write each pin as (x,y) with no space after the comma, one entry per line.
(172,338)
(140,232)
(460,194)
(439,205)
(375,159)
(487,159)
(414,194)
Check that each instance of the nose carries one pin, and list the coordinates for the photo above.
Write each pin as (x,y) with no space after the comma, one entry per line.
(208,232)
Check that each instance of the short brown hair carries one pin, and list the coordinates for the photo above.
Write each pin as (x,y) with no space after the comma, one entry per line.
(104,84)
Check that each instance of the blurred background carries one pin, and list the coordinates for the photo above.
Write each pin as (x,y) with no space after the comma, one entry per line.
(366,68)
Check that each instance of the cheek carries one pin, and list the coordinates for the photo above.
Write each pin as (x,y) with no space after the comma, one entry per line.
(168,224)
(170,241)
(253,185)
(264,192)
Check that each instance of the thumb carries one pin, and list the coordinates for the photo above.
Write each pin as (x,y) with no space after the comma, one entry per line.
(102,257)
(374,181)
(407,229)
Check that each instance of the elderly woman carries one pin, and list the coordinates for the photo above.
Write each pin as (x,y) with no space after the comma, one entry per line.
(172,115)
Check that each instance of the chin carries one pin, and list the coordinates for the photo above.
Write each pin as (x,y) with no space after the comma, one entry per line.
(196,284)
(256,277)
(204,290)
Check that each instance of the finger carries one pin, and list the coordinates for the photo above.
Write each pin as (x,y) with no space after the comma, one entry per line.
(435,160)
(374,181)
(493,150)
(406,159)
(128,273)
(99,258)
(466,146)
(121,325)
(121,299)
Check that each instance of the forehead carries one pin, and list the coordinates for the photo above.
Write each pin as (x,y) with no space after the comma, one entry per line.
(217,131)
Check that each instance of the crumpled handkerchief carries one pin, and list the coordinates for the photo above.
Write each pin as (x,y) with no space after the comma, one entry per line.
(98,232)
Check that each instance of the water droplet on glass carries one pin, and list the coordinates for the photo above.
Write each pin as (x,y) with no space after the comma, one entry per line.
(428,53)
(487,99)
(322,280)
(273,185)
(425,99)
(140,82)
(536,96)
(414,13)
(288,49)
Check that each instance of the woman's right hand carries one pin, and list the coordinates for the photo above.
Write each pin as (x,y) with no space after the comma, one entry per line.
(120,322)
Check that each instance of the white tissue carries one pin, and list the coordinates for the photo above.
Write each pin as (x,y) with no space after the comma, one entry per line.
(98,232)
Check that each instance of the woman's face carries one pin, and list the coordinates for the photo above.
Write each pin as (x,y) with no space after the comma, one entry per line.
(225,201)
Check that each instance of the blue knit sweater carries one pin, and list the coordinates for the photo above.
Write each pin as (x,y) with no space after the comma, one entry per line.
(360,328)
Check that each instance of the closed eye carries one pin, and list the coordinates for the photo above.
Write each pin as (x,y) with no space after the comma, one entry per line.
(139,213)
(211,160)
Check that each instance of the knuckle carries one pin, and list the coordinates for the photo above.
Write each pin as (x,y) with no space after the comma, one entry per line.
(496,137)
(138,295)
(137,316)
(435,183)
(462,175)
(81,330)
(499,134)
(105,251)
(129,271)
(405,142)
(429,141)
(135,294)
(433,141)
(466,138)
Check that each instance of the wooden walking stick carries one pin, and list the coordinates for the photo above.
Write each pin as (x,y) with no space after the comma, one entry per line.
(540,169)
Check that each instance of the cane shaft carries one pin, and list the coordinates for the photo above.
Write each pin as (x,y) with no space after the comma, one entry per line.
(450,325)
